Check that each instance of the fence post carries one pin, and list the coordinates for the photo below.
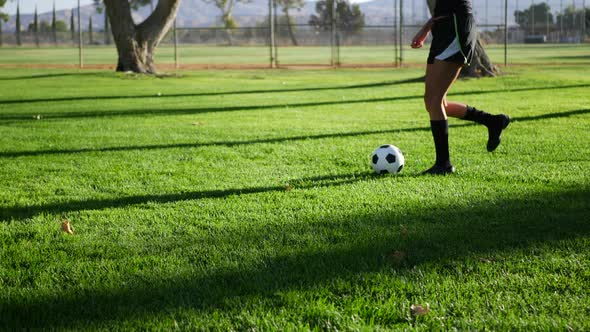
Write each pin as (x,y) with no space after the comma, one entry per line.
(583,21)
(505,32)
(395,30)
(176,63)
(401,32)
(271,28)
(276,22)
(80,55)
(333,33)
(533,16)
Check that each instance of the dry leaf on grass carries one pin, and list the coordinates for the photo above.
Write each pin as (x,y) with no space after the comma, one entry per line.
(66,227)
(288,188)
(198,123)
(418,310)
(396,256)
(486,260)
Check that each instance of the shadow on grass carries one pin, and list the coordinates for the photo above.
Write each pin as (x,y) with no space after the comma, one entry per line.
(101,204)
(55,75)
(12,117)
(203,94)
(570,57)
(437,235)
(11,154)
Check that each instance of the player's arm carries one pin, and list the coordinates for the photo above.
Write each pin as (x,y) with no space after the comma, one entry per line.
(418,40)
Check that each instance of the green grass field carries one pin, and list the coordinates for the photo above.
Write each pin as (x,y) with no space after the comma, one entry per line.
(244,200)
(220,55)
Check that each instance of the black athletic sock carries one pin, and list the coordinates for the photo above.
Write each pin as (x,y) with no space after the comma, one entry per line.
(440,133)
(473,114)
(494,123)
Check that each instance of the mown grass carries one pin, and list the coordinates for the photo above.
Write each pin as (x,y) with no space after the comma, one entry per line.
(259,55)
(235,200)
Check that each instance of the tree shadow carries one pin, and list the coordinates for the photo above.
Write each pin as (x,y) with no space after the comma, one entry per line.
(165,112)
(12,154)
(63,208)
(438,235)
(208,94)
(42,76)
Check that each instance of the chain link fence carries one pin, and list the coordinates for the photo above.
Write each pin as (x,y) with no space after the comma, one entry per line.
(382,40)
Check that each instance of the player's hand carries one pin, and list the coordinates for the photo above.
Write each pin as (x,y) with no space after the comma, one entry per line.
(419,39)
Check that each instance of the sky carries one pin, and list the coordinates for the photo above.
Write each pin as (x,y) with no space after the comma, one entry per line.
(28,6)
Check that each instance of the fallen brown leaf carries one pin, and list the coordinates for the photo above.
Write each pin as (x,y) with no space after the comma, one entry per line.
(396,256)
(66,227)
(486,260)
(288,188)
(198,123)
(418,310)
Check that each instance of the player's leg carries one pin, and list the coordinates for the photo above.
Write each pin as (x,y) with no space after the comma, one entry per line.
(440,75)
(494,123)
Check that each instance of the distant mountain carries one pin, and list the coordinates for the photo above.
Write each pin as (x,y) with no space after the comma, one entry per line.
(198,14)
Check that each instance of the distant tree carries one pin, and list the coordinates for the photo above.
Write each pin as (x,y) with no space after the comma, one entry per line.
(3,18)
(90,30)
(227,7)
(349,17)
(61,26)
(3,15)
(36,27)
(571,18)
(107,31)
(286,5)
(54,25)
(136,43)
(73,25)
(18,41)
(534,16)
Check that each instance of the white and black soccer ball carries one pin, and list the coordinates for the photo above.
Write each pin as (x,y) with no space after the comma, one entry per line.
(387,159)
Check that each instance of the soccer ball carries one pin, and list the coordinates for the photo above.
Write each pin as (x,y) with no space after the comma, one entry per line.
(387,159)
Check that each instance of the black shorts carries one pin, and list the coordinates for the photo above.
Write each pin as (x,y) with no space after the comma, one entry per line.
(453,39)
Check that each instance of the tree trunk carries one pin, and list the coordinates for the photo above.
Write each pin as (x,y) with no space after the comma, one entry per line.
(481,65)
(136,43)
(290,26)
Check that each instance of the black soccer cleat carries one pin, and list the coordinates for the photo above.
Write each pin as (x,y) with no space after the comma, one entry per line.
(439,170)
(498,123)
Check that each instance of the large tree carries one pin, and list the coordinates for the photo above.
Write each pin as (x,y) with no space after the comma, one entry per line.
(535,17)
(3,18)
(286,5)
(349,17)
(18,41)
(226,7)
(136,43)
(481,65)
